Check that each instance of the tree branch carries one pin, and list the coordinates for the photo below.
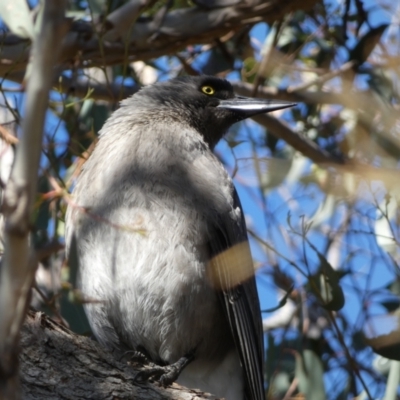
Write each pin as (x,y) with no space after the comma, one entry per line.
(301,143)
(58,364)
(84,48)
(18,266)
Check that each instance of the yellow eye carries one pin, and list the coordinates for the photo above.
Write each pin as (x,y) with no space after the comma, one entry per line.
(208,90)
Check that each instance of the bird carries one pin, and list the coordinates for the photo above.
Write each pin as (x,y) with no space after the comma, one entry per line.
(157,229)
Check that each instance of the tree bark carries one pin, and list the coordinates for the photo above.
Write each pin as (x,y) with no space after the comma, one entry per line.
(56,363)
(18,264)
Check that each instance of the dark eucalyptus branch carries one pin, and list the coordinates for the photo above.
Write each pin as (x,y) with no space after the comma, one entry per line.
(56,363)
(88,45)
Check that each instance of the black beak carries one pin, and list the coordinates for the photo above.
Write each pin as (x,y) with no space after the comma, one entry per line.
(246,107)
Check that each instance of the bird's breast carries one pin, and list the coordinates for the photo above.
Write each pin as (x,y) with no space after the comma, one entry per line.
(144,250)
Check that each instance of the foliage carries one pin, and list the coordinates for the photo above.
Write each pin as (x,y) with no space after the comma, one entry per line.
(320,186)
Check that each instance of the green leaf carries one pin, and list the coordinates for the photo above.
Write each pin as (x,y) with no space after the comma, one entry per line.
(380,81)
(288,36)
(281,303)
(273,171)
(41,214)
(17,17)
(325,284)
(271,141)
(366,44)
(325,211)
(394,287)
(280,383)
(232,143)
(93,115)
(393,381)
(382,333)
(97,6)
(310,374)
(249,69)
(358,342)
(74,314)
(391,304)
(71,307)
(381,365)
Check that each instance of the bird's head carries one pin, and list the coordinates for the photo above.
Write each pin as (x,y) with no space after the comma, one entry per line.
(206,103)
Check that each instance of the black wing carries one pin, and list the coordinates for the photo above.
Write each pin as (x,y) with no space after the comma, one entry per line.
(232,270)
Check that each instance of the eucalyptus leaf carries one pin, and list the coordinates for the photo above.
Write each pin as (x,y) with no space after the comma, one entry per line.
(17,17)
(325,284)
(383,230)
(71,304)
(393,381)
(97,6)
(391,304)
(310,374)
(366,44)
(394,287)
(281,383)
(382,333)
(381,365)
(325,211)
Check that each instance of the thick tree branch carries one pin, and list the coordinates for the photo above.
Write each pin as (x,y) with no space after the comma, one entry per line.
(18,267)
(58,364)
(147,40)
(367,104)
(301,143)
(98,91)
(124,17)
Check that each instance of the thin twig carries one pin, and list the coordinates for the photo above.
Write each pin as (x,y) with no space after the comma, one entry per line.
(7,136)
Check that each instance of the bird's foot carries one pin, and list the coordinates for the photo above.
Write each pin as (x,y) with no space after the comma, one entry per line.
(167,374)
(136,356)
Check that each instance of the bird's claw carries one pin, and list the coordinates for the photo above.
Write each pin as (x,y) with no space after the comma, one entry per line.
(171,375)
(164,375)
(136,356)
(167,374)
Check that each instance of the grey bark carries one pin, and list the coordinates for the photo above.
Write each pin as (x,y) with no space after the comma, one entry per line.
(18,265)
(56,363)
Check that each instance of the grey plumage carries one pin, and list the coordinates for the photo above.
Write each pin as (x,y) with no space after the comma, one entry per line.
(159,206)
